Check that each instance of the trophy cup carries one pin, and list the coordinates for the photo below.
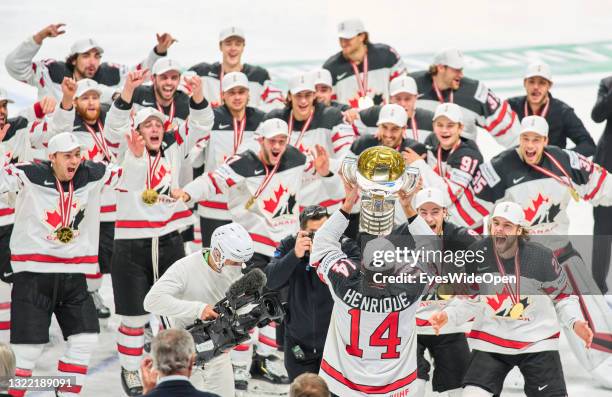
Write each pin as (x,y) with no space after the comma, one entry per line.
(380,173)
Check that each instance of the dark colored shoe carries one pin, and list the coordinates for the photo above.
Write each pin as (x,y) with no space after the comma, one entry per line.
(101,309)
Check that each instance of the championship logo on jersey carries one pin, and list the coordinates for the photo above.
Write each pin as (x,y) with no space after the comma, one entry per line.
(541,211)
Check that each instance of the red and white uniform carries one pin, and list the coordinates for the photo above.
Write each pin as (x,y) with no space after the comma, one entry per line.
(46,75)
(326,128)
(274,213)
(34,246)
(135,219)
(371,344)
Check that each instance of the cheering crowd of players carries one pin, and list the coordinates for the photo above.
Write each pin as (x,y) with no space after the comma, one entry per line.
(128,170)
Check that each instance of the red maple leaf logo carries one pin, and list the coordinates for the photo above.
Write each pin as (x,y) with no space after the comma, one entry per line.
(91,154)
(271,204)
(301,148)
(354,103)
(53,219)
(499,299)
(531,212)
(158,176)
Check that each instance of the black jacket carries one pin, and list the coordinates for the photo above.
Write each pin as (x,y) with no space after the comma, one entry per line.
(563,123)
(177,388)
(310,302)
(602,111)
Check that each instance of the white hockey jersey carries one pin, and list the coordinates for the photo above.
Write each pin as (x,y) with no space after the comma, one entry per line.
(326,128)
(544,289)
(383,65)
(47,75)
(370,348)
(135,219)
(40,213)
(226,139)
(274,212)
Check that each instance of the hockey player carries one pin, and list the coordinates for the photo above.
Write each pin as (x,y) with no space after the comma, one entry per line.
(147,239)
(310,124)
(448,347)
(262,194)
(324,90)
(451,162)
(361,71)
(84,61)
(191,287)
(403,92)
(53,245)
(563,122)
(232,131)
(371,345)
(232,41)
(542,179)
(514,326)
(19,134)
(444,82)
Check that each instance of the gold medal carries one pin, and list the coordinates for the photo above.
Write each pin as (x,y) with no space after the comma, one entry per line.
(365,102)
(149,196)
(517,311)
(445,291)
(250,203)
(64,234)
(574,194)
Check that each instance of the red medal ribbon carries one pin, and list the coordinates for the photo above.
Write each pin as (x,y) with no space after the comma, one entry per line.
(439,94)
(515,296)
(65,206)
(152,168)
(543,113)
(238,132)
(168,123)
(304,128)
(362,81)
(439,167)
(546,172)
(100,142)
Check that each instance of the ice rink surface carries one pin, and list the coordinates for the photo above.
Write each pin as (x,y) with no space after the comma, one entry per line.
(284,35)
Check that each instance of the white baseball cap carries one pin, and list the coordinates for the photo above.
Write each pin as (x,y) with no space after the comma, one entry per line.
(301,82)
(539,69)
(510,211)
(143,114)
(4,96)
(394,114)
(84,45)
(536,124)
(450,57)
(273,127)
(322,76)
(231,32)
(63,142)
(430,195)
(350,28)
(85,85)
(234,79)
(164,65)
(449,110)
(403,84)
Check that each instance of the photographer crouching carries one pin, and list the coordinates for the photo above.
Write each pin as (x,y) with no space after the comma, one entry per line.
(310,303)
(189,289)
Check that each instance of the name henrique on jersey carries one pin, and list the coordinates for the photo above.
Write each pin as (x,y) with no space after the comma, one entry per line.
(34,244)
(371,343)
(327,129)
(453,177)
(480,106)
(274,213)
(135,218)
(545,289)
(384,64)
(223,142)
(47,75)
(262,92)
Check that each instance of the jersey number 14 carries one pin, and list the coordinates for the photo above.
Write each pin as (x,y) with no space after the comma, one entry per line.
(389,326)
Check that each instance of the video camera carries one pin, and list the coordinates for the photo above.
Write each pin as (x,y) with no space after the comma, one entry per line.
(243,308)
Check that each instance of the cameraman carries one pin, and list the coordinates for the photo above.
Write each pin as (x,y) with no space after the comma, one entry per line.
(310,303)
(189,289)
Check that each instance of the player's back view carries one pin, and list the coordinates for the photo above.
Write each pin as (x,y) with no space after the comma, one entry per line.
(371,342)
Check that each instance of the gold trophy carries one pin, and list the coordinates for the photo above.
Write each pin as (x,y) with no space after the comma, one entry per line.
(380,172)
